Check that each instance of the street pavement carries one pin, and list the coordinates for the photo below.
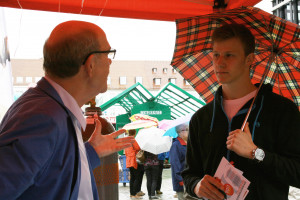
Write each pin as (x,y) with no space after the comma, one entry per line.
(166,187)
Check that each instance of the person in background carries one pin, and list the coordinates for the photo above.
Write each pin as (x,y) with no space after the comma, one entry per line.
(177,158)
(139,177)
(134,168)
(162,158)
(42,153)
(151,167)
(266,150)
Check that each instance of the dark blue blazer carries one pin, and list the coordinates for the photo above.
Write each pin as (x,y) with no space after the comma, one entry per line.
(39,156)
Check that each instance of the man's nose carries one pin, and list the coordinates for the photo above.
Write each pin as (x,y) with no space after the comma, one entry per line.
(220,61)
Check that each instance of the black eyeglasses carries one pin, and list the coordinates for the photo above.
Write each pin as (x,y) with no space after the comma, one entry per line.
(110,54)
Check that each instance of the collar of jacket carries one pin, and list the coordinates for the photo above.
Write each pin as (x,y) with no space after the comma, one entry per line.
(47,88)
(218,101)
(181,141)
(264,88)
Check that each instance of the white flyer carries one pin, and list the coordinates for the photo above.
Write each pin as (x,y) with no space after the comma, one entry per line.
(236,185)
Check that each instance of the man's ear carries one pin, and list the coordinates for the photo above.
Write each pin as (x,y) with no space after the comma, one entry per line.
(89,65)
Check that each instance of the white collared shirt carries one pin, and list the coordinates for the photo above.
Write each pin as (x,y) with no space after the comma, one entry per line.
(85,187)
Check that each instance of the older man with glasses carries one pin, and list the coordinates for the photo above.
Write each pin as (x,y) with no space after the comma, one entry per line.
(42,153)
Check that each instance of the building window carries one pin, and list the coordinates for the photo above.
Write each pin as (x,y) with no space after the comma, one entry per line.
(37,78)
(122,80)
(28,79)
(108,80)
(154,70)
(19,79)
(172,80)
(157,81)
(165,70)
(186,82)
(174,71)
(139,79)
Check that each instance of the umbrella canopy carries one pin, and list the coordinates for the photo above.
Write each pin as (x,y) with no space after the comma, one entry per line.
(167,124)
(139,124)
(137,117)
(277,53)
(164,124)
(170,125)
(166,10)
(153,141)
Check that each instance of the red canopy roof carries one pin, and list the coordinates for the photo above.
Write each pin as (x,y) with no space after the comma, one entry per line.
(166,10)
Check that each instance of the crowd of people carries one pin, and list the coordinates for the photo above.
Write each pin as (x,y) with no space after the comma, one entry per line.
(154,164)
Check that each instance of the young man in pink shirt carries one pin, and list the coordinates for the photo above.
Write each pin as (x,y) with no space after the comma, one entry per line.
(267,151)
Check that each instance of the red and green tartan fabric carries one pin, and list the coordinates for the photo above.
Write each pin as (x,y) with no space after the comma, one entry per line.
(193,59)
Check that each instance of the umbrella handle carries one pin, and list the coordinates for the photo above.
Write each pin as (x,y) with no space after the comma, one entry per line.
(248,113)
(263,79)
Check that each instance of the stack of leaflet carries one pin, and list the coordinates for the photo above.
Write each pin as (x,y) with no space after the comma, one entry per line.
(236,185)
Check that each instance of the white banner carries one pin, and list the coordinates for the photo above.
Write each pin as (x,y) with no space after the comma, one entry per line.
(6,87)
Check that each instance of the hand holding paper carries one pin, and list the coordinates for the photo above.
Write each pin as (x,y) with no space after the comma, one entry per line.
(235,184)
(209,187)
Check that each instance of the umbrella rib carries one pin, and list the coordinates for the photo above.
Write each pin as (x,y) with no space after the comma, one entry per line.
(258,63)
(291,77)
(288,62)
(282,48)
(269,31)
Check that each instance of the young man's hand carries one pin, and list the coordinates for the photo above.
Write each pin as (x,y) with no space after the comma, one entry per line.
(209,187)
(241,142)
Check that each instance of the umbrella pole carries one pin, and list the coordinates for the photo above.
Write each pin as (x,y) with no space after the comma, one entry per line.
(263,79)
(248,113)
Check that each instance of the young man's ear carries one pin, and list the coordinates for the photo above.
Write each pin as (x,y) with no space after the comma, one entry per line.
(250,59)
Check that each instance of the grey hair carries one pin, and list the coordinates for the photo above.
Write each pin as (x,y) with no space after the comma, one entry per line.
(63,59)
(181,127)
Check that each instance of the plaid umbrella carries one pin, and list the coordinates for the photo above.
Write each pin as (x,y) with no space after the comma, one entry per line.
(277,52)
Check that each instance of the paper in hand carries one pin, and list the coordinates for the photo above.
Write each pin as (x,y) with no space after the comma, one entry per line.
(236,185)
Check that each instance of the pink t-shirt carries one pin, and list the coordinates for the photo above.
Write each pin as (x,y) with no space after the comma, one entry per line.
(231,107)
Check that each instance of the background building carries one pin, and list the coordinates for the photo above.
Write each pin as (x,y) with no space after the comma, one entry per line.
(153,75)
(287,9)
